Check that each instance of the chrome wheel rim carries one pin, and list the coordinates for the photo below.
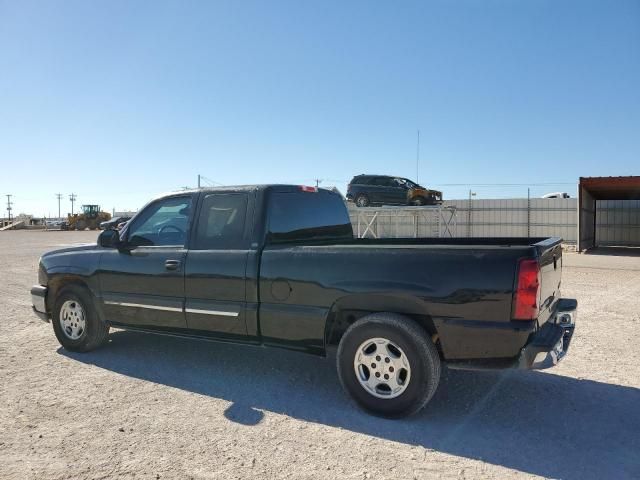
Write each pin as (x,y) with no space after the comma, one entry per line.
(361,202)
(72,319)
(382,368)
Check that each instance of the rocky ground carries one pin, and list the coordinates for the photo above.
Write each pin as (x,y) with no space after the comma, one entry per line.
(158,407)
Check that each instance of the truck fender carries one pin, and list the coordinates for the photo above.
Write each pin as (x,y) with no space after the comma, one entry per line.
(57,281)
(350,308)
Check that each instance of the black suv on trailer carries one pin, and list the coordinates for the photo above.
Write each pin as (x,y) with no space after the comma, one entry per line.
(369,190)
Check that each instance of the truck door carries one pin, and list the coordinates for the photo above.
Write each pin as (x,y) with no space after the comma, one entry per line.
(142,283)
(215,270)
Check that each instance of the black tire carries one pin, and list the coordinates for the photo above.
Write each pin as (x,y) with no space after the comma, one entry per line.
(418,201)
(414,342)
(95,332)
(362,200)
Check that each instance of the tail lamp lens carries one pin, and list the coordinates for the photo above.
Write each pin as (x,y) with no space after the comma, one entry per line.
(527,291)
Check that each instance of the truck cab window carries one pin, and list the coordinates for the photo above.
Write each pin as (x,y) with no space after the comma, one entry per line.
(221,222)
(311,216)
(164,223)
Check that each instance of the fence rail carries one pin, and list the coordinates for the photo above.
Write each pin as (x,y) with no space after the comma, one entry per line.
(617,221)
(472,218)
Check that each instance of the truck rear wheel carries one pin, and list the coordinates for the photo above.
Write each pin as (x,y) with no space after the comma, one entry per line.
(388,364)
(75,320)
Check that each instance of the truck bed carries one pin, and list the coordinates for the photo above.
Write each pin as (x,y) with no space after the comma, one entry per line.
(443,281)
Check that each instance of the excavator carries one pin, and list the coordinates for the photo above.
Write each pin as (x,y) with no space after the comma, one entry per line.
(90,218)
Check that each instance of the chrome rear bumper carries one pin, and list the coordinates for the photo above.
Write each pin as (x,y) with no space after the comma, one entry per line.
(551,343)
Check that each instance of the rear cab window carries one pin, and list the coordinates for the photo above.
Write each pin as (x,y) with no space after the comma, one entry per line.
(299,216)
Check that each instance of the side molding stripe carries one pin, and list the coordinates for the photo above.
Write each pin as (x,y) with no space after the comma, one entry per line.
(141,305)
(212,312)
(219,313)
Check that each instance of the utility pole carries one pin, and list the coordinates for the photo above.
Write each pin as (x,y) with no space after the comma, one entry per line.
(59,197)
(72,197)
(318,181)
(198,181)
(418,158)
(469,216)
(9,203)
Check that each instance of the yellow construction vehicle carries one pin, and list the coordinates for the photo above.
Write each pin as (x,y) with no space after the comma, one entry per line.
(90,218)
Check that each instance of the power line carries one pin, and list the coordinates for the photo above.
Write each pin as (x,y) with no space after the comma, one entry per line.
(209,181)
(502,184)
(545,184)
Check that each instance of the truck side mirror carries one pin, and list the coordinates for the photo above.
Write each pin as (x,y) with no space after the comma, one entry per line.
(109,239)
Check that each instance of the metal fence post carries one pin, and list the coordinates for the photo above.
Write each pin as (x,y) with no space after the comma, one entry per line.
(528,213)
(469,215)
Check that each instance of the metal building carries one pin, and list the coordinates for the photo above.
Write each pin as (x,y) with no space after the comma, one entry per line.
(608,211)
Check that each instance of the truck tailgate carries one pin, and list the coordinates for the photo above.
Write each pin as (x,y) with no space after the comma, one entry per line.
(550,259)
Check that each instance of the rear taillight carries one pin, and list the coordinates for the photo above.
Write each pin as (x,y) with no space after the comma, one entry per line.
(305,188)
(525,305)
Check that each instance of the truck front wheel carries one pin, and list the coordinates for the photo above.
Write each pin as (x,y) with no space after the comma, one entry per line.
(388,364)
(75,320)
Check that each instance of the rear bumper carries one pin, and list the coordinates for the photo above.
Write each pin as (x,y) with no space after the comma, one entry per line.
(39,302)
(551,343)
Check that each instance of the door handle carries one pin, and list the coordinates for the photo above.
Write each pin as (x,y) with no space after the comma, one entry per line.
(172,264)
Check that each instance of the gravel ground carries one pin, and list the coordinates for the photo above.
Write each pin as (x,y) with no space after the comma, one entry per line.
(153,407)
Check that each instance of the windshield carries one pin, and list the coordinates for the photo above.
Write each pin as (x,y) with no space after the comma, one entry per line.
(408,183)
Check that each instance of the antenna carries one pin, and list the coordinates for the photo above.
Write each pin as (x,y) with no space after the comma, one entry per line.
(418,159)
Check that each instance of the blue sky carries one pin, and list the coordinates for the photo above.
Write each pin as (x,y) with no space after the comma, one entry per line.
(119,100)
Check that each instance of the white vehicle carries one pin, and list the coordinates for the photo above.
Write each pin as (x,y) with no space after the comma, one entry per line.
(54,223)
(556,195)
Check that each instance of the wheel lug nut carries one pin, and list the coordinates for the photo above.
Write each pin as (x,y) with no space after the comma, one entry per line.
(378,374)
(391,369)
(387,360)
(386,377)
(378,357)
(373,365)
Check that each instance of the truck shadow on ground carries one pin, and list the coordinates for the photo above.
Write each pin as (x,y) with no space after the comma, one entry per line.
(533,422)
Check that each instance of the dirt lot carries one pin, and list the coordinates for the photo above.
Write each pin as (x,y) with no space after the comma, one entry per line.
(153,407)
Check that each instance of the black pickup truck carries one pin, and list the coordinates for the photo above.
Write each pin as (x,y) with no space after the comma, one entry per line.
(278,265)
